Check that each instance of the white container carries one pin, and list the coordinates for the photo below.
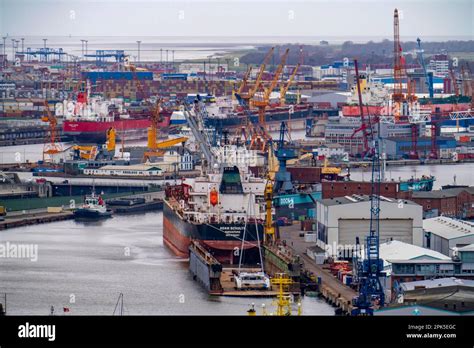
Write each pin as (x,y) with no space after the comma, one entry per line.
(310,237)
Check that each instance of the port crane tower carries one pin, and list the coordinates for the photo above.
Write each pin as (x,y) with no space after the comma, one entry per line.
(155,116)
(284,88)
(248,95)
(370,269)
(53,146)
(261,98)
(428,75)
(405,108)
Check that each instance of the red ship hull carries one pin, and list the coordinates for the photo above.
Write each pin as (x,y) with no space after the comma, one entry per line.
(91,131)
(178,234)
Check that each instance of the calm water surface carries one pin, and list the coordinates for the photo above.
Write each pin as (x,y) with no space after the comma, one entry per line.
(90,264)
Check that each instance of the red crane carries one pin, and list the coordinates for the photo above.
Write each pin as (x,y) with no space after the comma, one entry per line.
(398,63)
(366,126)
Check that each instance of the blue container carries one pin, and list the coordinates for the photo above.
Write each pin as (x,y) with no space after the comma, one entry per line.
(93,76)
(174,77)
(348,280)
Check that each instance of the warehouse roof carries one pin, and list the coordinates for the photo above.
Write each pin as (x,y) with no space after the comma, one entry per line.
(358,199)
(435,283)
(403,251)
(469,247)
(131,167)
(446,193)
(448,228)
(395,250)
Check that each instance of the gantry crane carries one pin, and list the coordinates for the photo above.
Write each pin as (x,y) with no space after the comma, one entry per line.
(52,146)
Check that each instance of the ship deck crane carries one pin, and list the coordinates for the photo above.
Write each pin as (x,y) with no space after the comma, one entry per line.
(53,146)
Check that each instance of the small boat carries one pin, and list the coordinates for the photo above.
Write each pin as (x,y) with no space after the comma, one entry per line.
(94,207)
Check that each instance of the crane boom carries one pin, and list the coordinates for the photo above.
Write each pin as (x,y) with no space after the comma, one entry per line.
(262,98)
(258,80)
(244,80)
(277,75)
(155,117)
(428,76)
(286,86)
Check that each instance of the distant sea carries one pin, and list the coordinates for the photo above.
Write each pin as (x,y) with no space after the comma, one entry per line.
(156,48)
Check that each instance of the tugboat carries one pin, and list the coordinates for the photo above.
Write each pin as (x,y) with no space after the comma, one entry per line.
(94,207)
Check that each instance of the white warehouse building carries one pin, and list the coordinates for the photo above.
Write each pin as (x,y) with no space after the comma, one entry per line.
(443,234)
(339,221)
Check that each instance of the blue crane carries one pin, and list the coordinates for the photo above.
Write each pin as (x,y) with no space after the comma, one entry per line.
(428,75)
(284,153)
(370,269)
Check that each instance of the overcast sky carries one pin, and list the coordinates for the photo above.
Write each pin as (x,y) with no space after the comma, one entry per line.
(319,18)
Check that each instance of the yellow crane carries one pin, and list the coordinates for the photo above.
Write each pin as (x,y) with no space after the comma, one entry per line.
(52,146)
(155,117)
(283,301)
(261,99)
(86,152)
(269,229)
(110,143)
(247,97)
(329,170)
(244,82)
(284,88)
(161,146)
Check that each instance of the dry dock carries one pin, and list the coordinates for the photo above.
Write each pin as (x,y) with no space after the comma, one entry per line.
(330,287)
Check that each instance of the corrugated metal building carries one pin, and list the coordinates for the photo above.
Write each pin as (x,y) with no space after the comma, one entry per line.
(400,146)
(443,234)
(341,220)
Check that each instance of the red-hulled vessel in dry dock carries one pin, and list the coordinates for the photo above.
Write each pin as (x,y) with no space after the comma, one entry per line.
(218,210)
(87,119)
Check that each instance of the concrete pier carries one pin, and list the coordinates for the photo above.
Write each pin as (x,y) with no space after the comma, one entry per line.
(330,288)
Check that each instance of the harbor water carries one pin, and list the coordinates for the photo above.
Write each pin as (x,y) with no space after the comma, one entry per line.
(85,266)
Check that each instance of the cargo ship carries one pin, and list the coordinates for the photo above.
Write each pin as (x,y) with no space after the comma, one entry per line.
(87,119)
(218,210)
(288,114)
(223,112)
